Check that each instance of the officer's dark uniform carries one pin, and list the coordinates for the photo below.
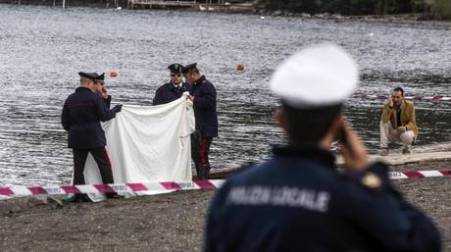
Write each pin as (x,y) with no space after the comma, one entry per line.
(82,113)
(297,201)
(170,92)
(206,123)
(107,102)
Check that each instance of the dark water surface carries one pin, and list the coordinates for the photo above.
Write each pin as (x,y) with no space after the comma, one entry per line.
(42,49)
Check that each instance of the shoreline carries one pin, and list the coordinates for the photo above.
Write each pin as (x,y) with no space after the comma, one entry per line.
(424,154)
(249,9)
(175,221)
(166,222)
(427,155)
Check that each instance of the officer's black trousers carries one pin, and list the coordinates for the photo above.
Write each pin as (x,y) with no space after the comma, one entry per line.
(103,162)
(200,148)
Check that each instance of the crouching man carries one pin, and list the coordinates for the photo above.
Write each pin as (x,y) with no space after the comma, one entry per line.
(82,113)
(398,123)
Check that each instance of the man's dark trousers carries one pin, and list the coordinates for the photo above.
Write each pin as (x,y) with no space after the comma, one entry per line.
(200,148)
(103,162)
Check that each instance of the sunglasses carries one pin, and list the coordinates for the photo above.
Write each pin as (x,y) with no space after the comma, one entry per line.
(176,75)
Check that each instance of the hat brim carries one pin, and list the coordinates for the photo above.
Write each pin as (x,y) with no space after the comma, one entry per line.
(90,76)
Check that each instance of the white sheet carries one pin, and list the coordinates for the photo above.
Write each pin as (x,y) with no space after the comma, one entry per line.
(148,144)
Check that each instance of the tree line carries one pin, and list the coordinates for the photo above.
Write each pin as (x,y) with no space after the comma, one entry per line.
(439,9)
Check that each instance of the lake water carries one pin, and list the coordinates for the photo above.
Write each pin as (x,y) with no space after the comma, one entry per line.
(42,49)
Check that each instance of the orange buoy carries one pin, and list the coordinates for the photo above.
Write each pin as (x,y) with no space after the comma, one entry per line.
(240,67)
(113,73)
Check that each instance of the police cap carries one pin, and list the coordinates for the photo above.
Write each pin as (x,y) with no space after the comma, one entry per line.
(91,76)
(189,67)
(317,76)
(175,68)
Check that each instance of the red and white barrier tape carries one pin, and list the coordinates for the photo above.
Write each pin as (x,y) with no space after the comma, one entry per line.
(163,187)
(13,191)
(436,98)
(420,174)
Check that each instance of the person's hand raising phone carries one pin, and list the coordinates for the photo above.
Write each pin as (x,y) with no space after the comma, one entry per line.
(353,150)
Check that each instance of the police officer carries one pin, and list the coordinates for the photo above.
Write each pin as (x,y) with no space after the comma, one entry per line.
(297,200)
(174,89)
(82,113)
(203,96)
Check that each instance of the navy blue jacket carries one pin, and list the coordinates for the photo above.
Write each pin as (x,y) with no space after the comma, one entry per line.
(82,113)
(107,102)
(205,107)
(297,201)
(168,93)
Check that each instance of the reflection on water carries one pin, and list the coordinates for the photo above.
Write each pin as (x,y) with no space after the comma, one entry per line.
(42,49)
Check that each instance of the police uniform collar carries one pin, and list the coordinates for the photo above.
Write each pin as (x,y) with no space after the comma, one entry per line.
(307,151)
(175,87)
(79,89)
(200,80)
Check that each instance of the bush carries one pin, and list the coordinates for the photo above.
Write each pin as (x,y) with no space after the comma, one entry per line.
(442,9)
(348,7)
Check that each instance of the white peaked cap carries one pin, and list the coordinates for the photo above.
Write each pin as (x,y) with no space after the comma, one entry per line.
(316,76)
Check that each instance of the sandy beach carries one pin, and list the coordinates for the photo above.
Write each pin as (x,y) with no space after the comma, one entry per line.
(168,222)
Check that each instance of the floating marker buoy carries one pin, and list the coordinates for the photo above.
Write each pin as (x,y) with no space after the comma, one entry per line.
(240,67)
(119,8)
(113,73)
(262,17)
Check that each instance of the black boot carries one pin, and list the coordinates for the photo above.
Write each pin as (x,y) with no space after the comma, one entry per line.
(204,173)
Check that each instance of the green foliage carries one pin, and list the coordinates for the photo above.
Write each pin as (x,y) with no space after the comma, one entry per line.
(348,7)
(442,9)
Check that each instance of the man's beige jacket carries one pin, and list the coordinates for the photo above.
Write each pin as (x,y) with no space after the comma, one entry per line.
(407,116)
